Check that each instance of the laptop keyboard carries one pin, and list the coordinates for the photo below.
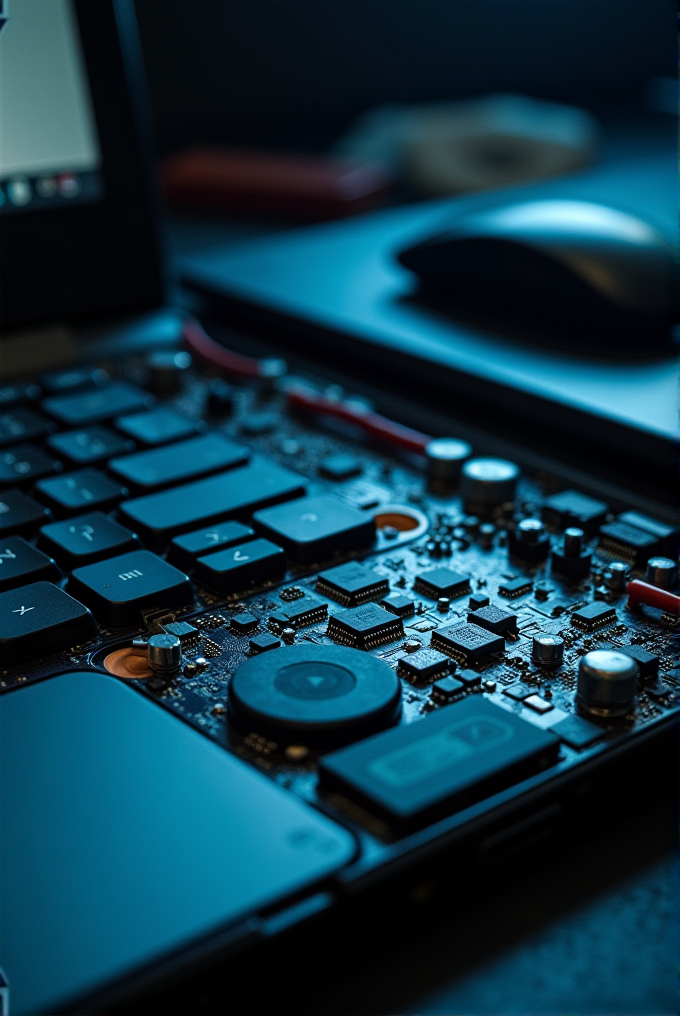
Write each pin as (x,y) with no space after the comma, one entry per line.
(208,511)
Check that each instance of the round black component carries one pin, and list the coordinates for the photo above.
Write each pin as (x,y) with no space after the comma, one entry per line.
(314,695)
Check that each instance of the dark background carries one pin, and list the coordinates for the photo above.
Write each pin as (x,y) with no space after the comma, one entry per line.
(294,73)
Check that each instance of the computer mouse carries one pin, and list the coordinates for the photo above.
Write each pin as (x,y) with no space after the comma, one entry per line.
(587,267)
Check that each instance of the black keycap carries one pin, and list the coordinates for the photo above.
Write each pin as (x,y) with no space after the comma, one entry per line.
(73,492)
(161,467)
(158,426)
(185,549)
(159,517)
(314,528)
(21,563)
(89,445)
(78,379)
(20,514)
(233,570)
(22,464)
(116,590)
(22,424)
(15,394)
(41,618)
(101,404)
(86,539)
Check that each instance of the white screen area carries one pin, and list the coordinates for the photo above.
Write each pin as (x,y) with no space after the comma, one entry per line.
(46,119)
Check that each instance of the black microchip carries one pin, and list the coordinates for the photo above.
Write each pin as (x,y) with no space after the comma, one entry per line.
(667,535)
(243,623)
(593,616)
(365,626)
(301,612)
(442,582)
(424,665)
(617,539)
(470,678)
(646,661)
(468,641)
(261,643)
(402,606)
(181,629)
(418,772)
(352,584)
(569,508)
(494,619)
(515,587)
(476,601)
(577,732)
(446,690)
(340,467)
(518,692)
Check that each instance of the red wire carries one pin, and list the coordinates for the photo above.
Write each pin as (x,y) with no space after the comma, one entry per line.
(201,345)
(652,596)
(374,424)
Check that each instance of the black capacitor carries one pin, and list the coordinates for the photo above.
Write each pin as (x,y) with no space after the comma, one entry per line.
(530,541)
(444,457)
(572,561)
(165,370)
(547,650)
(607,682)
(662,572)
(487,483)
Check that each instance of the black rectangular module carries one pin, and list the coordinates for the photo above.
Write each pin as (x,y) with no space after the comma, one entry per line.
(365,627)
(442,582)
(512,588)
(456,756)
(593,616)
(569,508)
(402,606)
(263,643)
(470,678)
(352,584)
(177,463)
(239,568)
(500,622)
(577,732)
(315,528)
(301,612)
(424,665)
(446,690)
(667,535)
(628,543)
(646,661)
(468,641)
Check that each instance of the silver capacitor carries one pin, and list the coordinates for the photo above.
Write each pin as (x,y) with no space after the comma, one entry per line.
(662,572)
(547,650)
(607,682)
(616,576)
(165,653)
(444,457)
(488,482)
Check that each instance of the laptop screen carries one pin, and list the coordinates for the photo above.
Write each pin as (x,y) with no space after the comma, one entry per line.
(50,152)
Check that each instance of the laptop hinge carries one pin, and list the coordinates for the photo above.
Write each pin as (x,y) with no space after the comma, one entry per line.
(31,351)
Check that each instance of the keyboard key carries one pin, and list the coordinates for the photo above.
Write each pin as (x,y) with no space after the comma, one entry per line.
(185,549)
(41,618)
(21,563)
(314,528)
(73,492)
(161,467)
(20,514)
(86,539)
(158,426)
(89,445)
(25,463)
(22,424)
(78,379)
(233,570)
(116,590)
(15,394)
(159,517)
(106,403)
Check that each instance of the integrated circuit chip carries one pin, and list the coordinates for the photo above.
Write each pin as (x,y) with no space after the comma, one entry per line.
(569,508)
(456,756)
(446,690)
(494,619)
(646,661)
(352,584)
(467,642)
(365,627)
(442,582)
(424,665)
(593,616)
(512,588)
(301,612)
(398,604)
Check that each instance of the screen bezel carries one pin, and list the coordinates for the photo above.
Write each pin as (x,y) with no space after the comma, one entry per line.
(83,262)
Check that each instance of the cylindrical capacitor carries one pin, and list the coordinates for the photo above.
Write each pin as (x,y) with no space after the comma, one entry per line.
(662,572)
(165,370)
(488,483)
(165,653)
(530,541)
(616,576)
(445,456)
(547,650)
(607,682)
(573,542)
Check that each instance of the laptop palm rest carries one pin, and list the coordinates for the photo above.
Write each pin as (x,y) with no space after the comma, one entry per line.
(127,834)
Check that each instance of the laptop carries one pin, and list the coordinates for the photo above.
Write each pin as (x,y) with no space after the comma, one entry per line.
(268,654)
